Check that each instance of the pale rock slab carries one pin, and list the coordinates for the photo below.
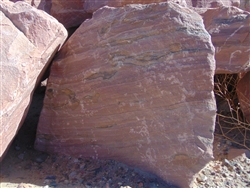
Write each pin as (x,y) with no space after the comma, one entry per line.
(229,28)
(29,39)
(243,92)
(134,84)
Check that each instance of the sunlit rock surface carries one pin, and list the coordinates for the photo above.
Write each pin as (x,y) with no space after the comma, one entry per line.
(29,39)
(229,28)
(134,84)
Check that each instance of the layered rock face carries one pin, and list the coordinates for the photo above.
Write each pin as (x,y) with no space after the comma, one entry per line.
(243,92)
(229,28)
(134,84)
(29,38)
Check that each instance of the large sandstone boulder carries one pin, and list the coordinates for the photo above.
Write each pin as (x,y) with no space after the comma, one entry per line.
(243,92)
(134,84)
(29,39)
(229,28)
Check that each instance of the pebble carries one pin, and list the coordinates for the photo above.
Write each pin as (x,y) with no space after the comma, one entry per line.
(21,156)
(51,177)
(17,148)
(53,183)
(201,178)
(41,158)
(247,153)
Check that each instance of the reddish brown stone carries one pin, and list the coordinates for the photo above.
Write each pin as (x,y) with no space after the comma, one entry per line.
(93,5)
(212,3)
(134,84)
(245,5)
(229,28)
(29,39)
(243,92)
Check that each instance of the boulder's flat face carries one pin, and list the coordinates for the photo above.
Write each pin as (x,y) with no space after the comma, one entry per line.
(26,50)
(243,92)
(134,84)
(229,28)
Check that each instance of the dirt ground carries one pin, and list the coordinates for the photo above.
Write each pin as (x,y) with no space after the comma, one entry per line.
(24,167)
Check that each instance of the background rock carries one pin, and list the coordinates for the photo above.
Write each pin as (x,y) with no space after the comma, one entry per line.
(29,40)
(212,3)
(93,5)
(243,92)
(245,5)
(69,13)
(134,84)
(74,12)
(229,28)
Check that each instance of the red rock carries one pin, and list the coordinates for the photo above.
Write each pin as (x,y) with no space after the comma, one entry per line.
(44,5)
(69,13)
(212,3)
(93,5)
(134,84)
(72,13)
(243,92)
(29,39)
(245,5)
(229,28)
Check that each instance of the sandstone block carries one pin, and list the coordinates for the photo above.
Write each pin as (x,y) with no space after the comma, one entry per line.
(229,28)
(134,84)
(30,38)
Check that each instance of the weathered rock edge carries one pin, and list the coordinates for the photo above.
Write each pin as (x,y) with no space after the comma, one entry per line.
(29,40)
(134,84)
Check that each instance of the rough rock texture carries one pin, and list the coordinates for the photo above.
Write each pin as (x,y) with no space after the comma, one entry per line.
(40,4)
(229,28)
(245,5)
(243,92)
(212,3)
(134,84)
(29,38)
(93,5)
(69,13)
(72,13)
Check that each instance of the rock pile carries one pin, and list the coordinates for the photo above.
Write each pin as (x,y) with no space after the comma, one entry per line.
(134,83)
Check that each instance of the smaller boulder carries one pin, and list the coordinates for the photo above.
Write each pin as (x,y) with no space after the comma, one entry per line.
(229,28)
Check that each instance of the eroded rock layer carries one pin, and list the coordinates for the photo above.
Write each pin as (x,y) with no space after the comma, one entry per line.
(29,39)
(134,84)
